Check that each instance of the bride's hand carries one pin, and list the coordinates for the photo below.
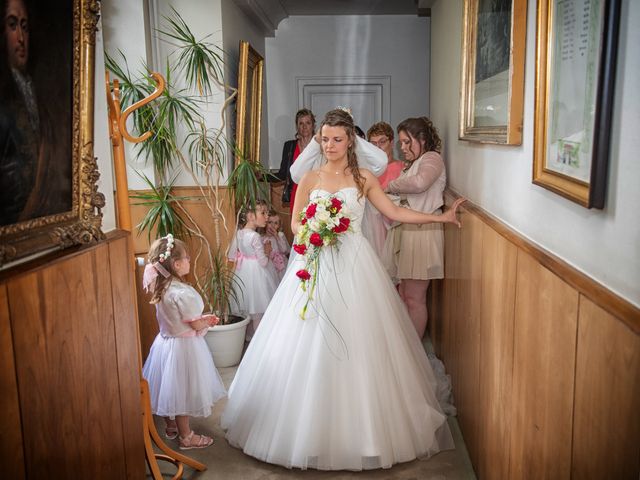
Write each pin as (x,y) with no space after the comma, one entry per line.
(450,213)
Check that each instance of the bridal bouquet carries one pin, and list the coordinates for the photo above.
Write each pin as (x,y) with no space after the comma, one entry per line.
(323,221)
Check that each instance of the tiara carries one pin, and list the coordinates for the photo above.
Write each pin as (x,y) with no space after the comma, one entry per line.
(164,256)
(346,110)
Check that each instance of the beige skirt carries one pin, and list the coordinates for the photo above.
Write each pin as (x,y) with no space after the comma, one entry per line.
(415,252)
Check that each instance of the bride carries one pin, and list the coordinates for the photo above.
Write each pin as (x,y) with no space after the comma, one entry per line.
(349,386)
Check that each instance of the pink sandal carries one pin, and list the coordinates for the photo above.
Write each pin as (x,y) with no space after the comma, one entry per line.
(171,432)
(188,442)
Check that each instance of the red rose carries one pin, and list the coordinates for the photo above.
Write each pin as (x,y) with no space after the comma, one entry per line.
(303,221)
(311,210)
(303,275)
(343,226)
(336,203)
(300,249)
(315,239)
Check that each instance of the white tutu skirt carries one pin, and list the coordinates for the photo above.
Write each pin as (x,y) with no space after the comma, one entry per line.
(350,386)
(182,377)
(257,286)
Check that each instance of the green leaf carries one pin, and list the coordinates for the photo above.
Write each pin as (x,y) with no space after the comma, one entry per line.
(162,213)
(199,60)
(221,286)
(248,181)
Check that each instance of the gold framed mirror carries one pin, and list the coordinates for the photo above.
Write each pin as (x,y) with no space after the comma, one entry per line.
(492,83)
(249,104)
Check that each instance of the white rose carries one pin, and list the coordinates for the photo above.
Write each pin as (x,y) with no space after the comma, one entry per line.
(322,215)
(332,222)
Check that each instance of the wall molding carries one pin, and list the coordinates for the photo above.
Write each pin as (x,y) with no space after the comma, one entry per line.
(611,302)
(375,88)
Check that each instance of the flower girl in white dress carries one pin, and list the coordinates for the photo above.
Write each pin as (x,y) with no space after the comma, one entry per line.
(349,386)
(279,245)
(183,381)
(256,274)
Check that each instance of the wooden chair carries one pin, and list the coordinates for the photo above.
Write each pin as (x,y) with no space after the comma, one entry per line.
(151,437)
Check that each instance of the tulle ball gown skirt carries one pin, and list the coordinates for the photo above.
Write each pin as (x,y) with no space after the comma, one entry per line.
(347,388)
(182,377)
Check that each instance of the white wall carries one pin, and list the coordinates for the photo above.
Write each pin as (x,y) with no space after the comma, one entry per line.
(101,141)
(237,26)
(343,46)
(125,30)
(604,244)
(123,24)
(204,19)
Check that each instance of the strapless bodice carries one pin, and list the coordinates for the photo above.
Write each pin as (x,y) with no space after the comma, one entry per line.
(349,197)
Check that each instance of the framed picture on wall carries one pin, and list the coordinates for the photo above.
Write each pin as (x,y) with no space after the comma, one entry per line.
(492,83)
(577,43)
(249,106)
(48,175)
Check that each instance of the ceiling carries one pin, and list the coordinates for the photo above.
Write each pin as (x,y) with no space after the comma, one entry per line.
(350,7)
(269,13)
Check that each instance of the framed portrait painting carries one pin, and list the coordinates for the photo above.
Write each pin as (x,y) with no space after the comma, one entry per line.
(492,76)
(48,175)
(575,74)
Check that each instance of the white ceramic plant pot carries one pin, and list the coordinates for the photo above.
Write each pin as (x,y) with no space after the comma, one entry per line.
(226,342)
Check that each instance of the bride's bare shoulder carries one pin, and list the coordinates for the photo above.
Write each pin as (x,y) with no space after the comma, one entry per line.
(309,179)
(365,172)
(310,176)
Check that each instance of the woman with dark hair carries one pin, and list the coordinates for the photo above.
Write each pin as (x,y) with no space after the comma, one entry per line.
(305,127)
(336,378)
(416,251)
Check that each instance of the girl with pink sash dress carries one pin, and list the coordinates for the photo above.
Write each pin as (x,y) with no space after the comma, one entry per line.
(256,275)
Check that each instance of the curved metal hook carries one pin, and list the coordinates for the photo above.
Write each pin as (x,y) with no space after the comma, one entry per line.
(132,108)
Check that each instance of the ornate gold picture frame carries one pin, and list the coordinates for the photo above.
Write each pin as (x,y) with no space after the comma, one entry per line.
(47,168)
(492,77)
(249,105)
(576,49)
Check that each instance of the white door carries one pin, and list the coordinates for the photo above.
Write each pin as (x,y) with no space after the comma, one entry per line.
(366,97)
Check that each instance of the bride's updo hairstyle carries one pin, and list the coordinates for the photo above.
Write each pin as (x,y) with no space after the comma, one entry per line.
(342,118)
(422,129)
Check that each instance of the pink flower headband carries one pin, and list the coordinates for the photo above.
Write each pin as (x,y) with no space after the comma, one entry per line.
(151,270)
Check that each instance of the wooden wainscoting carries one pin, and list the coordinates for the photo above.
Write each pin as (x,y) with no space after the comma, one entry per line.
(545,362)
(70,376)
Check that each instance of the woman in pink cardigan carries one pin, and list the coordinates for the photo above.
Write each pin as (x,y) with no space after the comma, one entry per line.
(418,249)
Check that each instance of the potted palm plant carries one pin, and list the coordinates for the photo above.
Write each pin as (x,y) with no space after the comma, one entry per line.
(200,64)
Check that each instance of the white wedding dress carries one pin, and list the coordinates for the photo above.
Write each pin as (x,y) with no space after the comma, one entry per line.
(348,387)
